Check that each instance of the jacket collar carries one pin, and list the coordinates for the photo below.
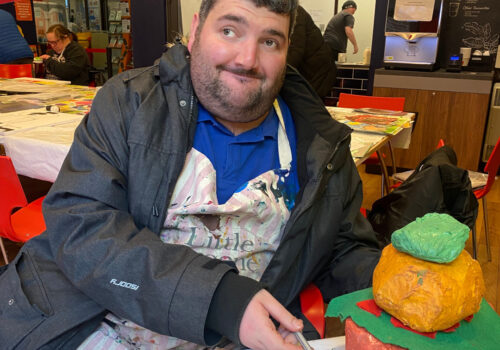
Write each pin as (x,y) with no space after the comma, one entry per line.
(173,67)
(319,136)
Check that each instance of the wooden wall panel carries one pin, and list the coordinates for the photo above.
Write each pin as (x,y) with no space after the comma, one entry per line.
(458,118)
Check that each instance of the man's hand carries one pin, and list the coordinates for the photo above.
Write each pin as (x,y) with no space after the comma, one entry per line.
(355,49)
(45,57)
(257,331)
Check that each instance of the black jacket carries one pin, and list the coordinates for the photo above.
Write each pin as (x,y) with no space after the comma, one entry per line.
(310,54)
(436,186)
(106,209)
(75,66)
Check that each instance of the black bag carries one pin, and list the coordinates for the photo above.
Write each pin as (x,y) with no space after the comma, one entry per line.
(437,185)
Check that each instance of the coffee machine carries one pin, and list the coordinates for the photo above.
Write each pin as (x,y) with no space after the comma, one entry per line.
(412,34)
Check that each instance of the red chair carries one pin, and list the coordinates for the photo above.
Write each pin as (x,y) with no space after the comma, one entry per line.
(362,101)
(388,103)
(26,222)
(491,168)
(313,307)
(96,76)
(15,71)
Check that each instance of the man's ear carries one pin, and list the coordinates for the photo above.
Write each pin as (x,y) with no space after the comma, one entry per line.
(194,27)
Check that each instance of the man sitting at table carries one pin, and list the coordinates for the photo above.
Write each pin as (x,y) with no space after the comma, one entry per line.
(199,198)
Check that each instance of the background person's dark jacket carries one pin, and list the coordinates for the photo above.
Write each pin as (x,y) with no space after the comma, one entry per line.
(108,205)
(310,55)
(76,66)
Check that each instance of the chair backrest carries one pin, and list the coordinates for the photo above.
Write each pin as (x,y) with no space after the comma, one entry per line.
(491,168)
(15,70)
(361,101)
(12,196)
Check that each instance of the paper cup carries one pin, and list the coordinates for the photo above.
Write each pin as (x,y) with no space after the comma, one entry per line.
(465,51)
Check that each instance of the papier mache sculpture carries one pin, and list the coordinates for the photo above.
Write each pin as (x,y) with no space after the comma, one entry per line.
(424,279)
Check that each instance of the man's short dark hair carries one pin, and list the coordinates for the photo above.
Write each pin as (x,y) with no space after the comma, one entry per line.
(349,4)
(286,7)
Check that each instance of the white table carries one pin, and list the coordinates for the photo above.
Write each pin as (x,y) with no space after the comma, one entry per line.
(38,139)
(39,152)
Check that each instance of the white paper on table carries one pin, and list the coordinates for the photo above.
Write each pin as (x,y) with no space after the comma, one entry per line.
(335,343)
(402,139)
(360,139)
(359,147)
(414,10)
(31,118)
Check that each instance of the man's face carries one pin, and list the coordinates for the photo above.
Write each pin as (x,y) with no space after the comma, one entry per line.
(238,59)
(351,10)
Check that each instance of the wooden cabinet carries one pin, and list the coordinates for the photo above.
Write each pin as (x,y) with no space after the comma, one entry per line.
(459,118)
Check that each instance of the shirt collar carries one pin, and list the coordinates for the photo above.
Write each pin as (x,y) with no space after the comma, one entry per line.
(267,129)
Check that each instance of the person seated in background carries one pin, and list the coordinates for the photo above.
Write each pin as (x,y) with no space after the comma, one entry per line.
(67,60)
(310,55)
(13,47)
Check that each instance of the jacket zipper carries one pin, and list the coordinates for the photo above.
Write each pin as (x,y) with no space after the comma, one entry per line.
(156,212)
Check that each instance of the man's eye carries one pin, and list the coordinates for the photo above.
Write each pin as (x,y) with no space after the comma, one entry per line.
(271,43)
(228,32)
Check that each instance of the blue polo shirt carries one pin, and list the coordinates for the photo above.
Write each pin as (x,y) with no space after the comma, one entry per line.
(238,159)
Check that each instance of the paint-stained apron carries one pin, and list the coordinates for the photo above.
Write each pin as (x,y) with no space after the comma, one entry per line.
(247,230)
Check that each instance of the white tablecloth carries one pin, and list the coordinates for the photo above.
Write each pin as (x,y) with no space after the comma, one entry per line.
(39,152)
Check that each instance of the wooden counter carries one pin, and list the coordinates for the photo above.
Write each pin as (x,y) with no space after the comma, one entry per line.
(451,106)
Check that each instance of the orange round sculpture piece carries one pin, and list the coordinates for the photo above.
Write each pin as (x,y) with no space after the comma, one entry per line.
(424,295)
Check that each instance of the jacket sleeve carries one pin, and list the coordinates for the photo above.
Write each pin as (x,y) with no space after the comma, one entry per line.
(357,250)
(100,248)
(76,61)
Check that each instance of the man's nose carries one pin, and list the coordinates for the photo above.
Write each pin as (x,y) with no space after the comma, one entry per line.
(247,55)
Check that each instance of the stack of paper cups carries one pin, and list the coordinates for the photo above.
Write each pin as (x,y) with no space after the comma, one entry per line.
(465,51)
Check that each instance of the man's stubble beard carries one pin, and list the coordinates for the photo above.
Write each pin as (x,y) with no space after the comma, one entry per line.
(215,96)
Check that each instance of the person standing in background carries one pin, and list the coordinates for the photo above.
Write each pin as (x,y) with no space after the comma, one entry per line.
(13,47)
(67,60)
(310,55)
(339,29)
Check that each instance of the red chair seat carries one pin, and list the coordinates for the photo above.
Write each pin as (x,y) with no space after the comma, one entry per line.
(15,71)
(313,307)
(361,101)
(28,222)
